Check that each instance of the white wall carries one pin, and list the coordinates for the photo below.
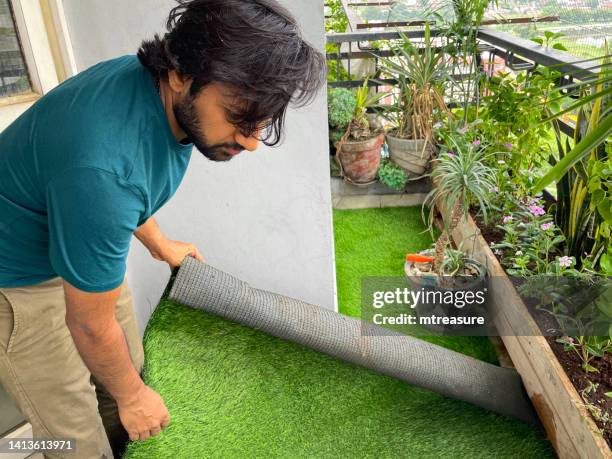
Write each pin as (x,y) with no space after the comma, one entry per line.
(264,216)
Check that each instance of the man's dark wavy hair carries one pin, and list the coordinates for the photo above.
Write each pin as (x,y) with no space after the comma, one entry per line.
(254,47)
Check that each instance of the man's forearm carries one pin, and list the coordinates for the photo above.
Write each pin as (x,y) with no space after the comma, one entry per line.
(150,235)
(106,354)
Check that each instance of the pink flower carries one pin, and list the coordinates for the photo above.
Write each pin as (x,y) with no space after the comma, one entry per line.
(508,146)
(546,226)
(565,262)
(507,219)
(451,154)
(476,142)
(536,210)
(570,339)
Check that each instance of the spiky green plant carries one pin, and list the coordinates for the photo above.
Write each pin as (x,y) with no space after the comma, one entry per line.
(461,177)
(359,126)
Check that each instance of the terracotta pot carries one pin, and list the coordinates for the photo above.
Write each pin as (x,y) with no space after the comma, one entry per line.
(360,159)
(412,155)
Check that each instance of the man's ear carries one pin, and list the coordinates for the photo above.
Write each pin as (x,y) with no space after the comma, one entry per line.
(178,83)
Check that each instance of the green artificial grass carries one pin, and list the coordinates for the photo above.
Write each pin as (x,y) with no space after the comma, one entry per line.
(234,392)
(374,242)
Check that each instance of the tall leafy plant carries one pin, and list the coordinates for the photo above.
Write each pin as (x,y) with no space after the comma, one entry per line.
(421,73)
(600,128)
(460,33)
(584,207)
(512,111)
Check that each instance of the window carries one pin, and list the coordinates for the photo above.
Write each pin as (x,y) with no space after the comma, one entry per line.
(14,78)
(35,53)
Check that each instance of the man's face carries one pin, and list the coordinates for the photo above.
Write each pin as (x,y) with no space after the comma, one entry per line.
(204,119)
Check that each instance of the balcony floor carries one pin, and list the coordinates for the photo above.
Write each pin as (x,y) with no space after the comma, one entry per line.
(236,392)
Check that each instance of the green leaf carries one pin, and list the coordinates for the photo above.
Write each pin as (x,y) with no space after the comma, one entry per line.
(608,394)
(605,263)
(582,149)
(559,46)
(594,351)
(580,103)
(554,106)
(605,308)
(605,210)
(589,369)
(538,40)
(597,194)
(595,185)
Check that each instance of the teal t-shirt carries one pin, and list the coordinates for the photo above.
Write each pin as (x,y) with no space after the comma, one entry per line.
(79,171)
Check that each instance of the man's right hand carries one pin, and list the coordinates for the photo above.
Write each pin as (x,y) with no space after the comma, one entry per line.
(144,415)
(97,335)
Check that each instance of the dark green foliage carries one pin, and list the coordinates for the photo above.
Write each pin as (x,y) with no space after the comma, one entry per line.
(341,105)
(335,22)
(513,111)
(392,175)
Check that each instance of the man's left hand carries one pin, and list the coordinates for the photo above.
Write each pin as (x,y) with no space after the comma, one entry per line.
(173,252)
(163,249)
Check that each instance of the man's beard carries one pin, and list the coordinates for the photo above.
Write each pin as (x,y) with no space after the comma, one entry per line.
(187,118)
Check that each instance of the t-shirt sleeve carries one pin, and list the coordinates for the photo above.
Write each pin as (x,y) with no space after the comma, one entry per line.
(92,214)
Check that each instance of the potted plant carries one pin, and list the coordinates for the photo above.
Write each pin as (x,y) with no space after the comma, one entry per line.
(358,151)
(340,109)
(420,73)
(458,273)
(461,178)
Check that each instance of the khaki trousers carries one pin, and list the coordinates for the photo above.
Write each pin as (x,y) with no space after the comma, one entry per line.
(44,374)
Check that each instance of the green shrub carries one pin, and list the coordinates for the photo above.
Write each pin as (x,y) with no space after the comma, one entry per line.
(341,105)
(392,175)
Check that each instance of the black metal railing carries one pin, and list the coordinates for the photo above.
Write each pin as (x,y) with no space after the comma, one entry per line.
(518,54)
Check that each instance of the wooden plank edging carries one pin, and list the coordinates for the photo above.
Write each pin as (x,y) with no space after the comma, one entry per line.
(568,424)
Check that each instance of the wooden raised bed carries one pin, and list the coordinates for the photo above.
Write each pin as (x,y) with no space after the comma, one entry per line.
(560,408)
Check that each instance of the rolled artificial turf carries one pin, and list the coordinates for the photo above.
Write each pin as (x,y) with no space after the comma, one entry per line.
(236,392)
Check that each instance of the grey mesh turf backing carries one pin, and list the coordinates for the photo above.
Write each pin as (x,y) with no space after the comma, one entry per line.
(417,362)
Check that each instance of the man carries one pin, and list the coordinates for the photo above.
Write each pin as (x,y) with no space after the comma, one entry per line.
(86,167)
